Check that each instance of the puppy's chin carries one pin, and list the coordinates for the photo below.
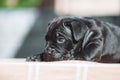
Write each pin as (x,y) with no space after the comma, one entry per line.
(52,57)
(57,57)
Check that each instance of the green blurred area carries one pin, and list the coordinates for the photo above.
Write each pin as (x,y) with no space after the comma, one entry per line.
(19,3)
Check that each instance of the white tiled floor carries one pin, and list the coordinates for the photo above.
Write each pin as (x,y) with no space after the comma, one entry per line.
(14,26)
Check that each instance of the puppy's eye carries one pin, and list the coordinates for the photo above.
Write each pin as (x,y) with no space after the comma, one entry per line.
(66,24)
(61,39)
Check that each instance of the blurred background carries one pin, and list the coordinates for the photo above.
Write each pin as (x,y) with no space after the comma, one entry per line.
(23,23)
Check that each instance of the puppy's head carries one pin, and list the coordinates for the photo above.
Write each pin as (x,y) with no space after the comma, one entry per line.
(63,37)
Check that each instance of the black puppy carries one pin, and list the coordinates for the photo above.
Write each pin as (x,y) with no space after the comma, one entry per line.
(75,38)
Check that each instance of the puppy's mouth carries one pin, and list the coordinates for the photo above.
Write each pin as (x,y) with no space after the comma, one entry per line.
(58,56)
(52,57)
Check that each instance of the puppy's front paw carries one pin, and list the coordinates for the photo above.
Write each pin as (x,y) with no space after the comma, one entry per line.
(37,57)
(31,58)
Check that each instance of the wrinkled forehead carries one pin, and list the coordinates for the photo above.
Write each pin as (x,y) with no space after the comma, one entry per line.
(57,25)
(59,22)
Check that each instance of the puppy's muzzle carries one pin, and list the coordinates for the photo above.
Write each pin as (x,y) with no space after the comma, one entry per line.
(51,52)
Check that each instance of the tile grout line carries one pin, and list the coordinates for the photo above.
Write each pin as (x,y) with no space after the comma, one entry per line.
(30,71)
(85,72)
(78,72)
(37,74)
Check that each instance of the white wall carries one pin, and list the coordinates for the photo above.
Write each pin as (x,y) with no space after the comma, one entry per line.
(14,26)
(87,7)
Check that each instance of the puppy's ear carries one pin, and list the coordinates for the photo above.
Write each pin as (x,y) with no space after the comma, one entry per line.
(78,29)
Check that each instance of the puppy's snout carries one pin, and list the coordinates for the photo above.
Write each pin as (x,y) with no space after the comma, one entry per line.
(50,50)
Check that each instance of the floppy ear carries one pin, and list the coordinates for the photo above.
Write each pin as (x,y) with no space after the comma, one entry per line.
(78,29)
(87,36)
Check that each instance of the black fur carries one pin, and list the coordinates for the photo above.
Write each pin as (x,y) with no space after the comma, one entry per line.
(75,38)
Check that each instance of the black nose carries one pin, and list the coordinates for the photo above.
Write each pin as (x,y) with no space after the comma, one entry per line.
(50,50)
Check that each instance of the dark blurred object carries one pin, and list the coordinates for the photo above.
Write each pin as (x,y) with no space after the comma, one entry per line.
(47,4)
(111,19)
